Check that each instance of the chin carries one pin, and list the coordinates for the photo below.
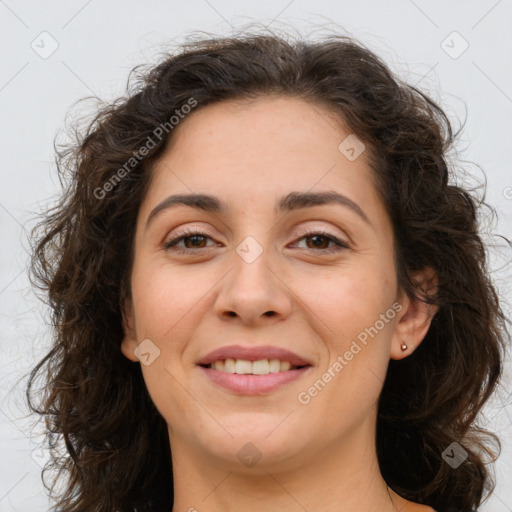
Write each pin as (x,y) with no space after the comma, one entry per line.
(254,445)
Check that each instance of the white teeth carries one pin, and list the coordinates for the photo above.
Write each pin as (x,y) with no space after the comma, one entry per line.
(285,366)
(275,365)
(229,365)
(218,365)
(245,367)
(242,366)
(261,367)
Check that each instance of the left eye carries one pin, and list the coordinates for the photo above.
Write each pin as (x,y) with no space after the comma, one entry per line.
(196,240)
(318,239)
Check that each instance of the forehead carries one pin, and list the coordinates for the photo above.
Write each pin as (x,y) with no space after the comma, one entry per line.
(251,152)
(256,130)
(261,142)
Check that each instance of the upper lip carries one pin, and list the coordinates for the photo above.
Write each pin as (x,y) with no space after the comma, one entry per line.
(252,354)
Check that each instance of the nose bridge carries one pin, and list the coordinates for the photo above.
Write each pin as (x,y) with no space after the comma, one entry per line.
(252,265)
(252,287)
(254,245)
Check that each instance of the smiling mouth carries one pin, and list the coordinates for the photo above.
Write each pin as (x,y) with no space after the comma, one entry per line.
(246,367)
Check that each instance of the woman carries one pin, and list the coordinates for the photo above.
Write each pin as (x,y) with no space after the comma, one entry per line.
(267,294)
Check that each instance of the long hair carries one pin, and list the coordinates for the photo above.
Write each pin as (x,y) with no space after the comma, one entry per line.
(114,446)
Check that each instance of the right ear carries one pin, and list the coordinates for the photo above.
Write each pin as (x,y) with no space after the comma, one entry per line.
(129,343)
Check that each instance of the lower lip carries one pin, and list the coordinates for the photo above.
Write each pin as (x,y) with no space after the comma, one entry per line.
(253,384)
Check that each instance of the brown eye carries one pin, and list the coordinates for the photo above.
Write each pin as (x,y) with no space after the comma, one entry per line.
(191,240)
(315,241)
(196,241)
(319,242)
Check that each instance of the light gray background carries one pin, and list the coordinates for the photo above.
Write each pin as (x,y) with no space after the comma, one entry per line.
(99,42)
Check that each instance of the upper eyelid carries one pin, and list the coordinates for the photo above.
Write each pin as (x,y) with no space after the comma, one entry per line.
(302,233)
(298,226)
(191,231)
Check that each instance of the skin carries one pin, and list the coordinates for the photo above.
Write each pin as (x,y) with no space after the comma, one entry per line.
(320,455)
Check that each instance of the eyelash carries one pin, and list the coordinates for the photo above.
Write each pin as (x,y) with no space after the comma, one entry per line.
(189,233)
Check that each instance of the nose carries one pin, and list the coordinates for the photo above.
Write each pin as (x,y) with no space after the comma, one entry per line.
(254,290)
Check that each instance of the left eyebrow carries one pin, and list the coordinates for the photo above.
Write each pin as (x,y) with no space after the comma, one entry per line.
(292,201)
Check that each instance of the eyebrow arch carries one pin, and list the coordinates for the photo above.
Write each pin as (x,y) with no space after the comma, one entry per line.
(292,201)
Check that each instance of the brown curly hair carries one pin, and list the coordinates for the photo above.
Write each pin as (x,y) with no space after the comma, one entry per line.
(115,451)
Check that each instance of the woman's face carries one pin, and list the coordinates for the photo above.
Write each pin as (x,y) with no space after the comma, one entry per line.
(263,277)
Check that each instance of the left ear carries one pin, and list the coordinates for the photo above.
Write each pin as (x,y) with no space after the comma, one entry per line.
(415,317)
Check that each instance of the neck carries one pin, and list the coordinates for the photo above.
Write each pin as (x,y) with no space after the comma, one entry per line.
(338,478)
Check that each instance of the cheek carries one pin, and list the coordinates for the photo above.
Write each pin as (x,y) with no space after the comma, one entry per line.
(348,308)
(164,296)
(166,304)
(345,299)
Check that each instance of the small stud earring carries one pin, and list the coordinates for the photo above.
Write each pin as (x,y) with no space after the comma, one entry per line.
(403,346)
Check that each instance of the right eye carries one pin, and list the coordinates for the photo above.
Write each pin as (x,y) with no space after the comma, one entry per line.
(195,236)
